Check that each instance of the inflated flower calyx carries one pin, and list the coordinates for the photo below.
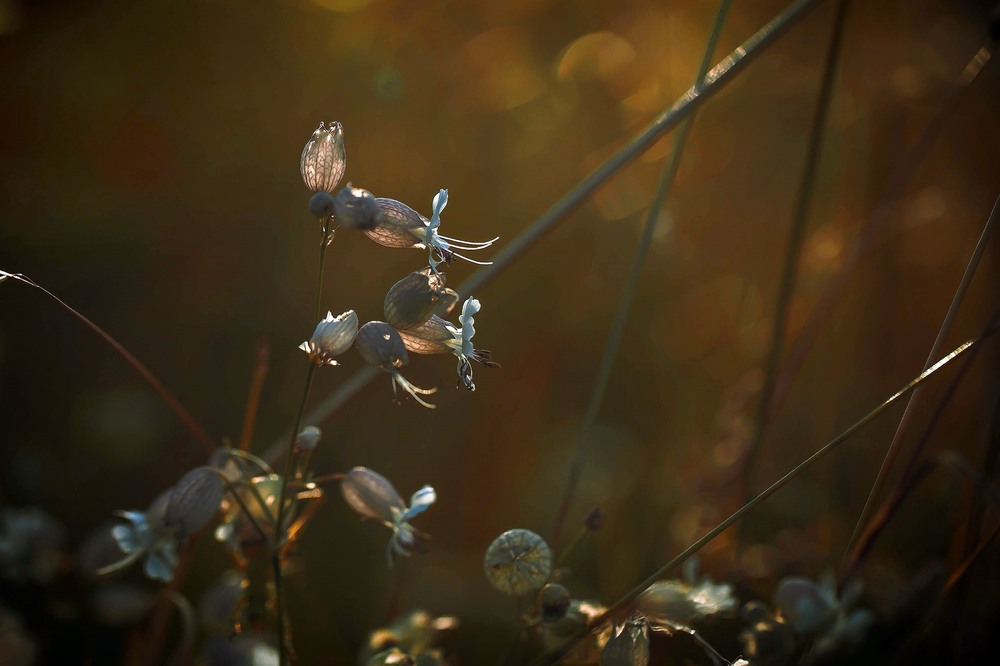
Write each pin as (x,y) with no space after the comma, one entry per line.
(195,500)
(518,562)
(380,345)
(324,159)
(332,337)
(355,208)
(371,495)
(553,602)
(411,301)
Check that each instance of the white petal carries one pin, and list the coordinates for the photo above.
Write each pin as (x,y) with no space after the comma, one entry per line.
(421,499)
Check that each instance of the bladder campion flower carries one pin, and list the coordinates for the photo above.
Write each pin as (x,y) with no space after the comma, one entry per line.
(332,337)
(381,345)
(437,336)
(324,158)
(394,224)
(147,535)
(372,496)
(411,301)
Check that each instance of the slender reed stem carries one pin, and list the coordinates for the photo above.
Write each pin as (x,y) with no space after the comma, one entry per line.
(894,446)
(253,395)
(169,398)
(796,235)
(719,76)
(613,343)
(323,243)
(622,604)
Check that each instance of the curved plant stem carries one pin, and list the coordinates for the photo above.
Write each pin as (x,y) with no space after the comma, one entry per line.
(622,604)
(169,398)
(613,342)
(718,77)
(956,301)
(796,235)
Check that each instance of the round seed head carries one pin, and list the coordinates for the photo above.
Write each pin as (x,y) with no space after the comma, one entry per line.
(321,205)
(370,494)
(411,301)
(324,158)
(518,562)
(553,601)
(195,501)
(355,208)
(380,345)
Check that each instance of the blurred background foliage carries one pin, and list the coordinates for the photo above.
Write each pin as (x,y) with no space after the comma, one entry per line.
(148,176)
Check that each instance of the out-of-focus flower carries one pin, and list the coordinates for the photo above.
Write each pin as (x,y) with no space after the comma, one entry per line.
(31,545)
(394,224)
(414,634)
(553,602)
(324,158)
(767,640)
(372,496)
(332,337)
(381,345)
(147,535)
(814,610)
(195,500)
(437,336)
(411,301)
(674,601)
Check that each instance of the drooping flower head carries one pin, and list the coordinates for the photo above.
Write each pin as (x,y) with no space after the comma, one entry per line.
(147,535)
(437,336)
(372,496)
(381,345)
(394,224)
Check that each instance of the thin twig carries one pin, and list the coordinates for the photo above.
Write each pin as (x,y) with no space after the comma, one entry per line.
(169,398)
(617,330)
(893,451)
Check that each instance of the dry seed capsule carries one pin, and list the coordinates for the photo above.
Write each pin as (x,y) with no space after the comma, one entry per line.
(355,208)
(518,562)
(195,501)
(411,301)
(324,158)
(553,601)
(396,225)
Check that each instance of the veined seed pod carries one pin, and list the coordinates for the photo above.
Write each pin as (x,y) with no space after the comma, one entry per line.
(395,224)
(380,345)
(356,208)
(518,562)
(434,336)
(324,158)
(195,500)
(371,494)
(411,301)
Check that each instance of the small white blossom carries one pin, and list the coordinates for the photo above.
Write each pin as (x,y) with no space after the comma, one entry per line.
(332,337)
(437,336)
(442,248)
(147,535)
